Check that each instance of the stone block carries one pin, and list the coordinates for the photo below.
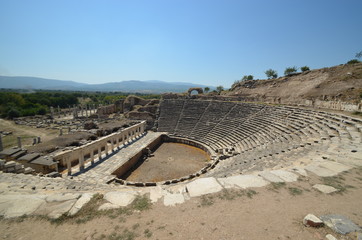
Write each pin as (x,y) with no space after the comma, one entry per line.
(324,188)
(203,186)
(121,199)
(243,181)
(312,221)
(340,224)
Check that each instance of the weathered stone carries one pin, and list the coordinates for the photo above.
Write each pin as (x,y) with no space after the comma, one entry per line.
(340,224)
(320,171)
(203,186)
(19,205)
(84,199)
(285,175)
(61,208)
(107,206)
(312,221)
(324,188)
(121,199)
(62,197)
(330,237)
(270,177)
(171,199)
(243,181)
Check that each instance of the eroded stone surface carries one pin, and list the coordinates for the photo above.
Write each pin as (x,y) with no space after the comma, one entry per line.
(285,175)
(324,188)
(19,205)
(340,224)
(120,199)
(84,199)
(203,186)
(243,181)
(270,177)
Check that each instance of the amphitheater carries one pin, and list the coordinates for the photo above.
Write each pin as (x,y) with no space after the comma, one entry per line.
(248,144)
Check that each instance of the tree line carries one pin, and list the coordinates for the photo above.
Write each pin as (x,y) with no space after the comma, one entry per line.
(17,104)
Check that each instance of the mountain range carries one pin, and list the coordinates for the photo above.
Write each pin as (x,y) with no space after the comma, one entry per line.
(131,86)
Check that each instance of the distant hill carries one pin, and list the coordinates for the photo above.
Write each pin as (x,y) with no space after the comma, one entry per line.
(150,86)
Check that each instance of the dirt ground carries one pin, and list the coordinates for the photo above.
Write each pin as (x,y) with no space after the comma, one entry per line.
(170,161)
(272,212)
(25,132)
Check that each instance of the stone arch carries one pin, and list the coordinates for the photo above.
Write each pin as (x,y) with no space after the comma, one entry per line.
(199,90)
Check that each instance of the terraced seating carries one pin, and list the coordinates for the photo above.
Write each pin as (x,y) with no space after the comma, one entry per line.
(262,136)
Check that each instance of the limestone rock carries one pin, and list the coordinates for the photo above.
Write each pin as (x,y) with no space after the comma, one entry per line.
(203,186)
(340,224)
(61,208)
(120,199)
(243,181)
(107,206)
(84,199)
(19,205)
(62,197)
(312,221)
(330,237)
(324,188)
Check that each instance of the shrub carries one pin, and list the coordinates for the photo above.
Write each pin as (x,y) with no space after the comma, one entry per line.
(206,89)
(219,89)
(247,77)
(304,68)
(290,70)
(353,61)
(270,73)
(13,113)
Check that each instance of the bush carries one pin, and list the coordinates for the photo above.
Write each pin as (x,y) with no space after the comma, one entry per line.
(353,61)
(270,73)
(290,70)
(247,77)
(304,68)
(219,89)
(13,113)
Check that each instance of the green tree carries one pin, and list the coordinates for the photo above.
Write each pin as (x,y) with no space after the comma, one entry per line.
(270,73)
(290,70)
(206,89)
(353,61)
(247,77)
(304,68)
(219,89)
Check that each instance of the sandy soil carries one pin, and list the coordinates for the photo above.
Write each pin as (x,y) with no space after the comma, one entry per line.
(271,212)
(170,161)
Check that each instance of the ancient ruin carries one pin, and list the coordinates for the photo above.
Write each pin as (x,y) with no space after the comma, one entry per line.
(245,145)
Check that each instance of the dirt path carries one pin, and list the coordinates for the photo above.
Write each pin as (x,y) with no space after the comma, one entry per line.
(273,212)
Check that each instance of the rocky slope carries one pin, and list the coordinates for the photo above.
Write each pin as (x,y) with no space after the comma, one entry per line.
(342,83)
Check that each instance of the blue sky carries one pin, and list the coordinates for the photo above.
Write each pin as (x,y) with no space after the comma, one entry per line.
(211,42)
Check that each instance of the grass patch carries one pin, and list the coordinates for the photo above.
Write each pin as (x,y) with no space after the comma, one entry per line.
(147,233)
(278,185)
(229,194)
(141,203)
(206,201)
(337,182)
(125,235)
(295,191)
(250,193)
